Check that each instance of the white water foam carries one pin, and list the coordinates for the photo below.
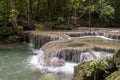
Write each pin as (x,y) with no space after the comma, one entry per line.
(69,38)
(88,56)
(34,51)
(36,64)
(116,31)
(102,37)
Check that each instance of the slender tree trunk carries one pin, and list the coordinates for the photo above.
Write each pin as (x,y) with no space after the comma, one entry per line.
(29,13)
(26,10)
(62,11)
(6,13)
(74,18)
(55,12)
(21,6)
(13,12)
(48,6)
(89,16)
(38,9)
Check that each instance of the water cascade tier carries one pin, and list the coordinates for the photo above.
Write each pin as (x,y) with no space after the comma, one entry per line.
(98,34)
(60,51)
(37,40)
(58,54)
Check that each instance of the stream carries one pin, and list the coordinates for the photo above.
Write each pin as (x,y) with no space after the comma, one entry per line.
(13,65)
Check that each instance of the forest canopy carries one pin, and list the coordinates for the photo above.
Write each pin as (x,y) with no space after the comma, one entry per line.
(57,14)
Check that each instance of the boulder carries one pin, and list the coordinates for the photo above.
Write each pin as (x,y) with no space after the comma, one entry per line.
(81,71)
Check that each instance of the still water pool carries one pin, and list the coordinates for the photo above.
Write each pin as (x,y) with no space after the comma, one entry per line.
(13,65)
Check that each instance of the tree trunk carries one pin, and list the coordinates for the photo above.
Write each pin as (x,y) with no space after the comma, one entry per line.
(49,8)
(6,13)
(21,6)
(29,13)
(89,16)
(13,12)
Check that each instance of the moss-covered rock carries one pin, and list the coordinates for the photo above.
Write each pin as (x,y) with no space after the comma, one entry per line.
(11,38)
(80,71)
(114,76)
(8,35)
(117,58)
(117,54)
(84,71)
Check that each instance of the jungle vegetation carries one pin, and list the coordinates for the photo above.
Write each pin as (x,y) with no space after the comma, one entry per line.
(18,15)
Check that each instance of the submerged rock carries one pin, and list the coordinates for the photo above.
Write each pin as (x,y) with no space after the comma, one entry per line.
(49,76)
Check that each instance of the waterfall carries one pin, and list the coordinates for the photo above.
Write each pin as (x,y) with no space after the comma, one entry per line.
(63,61)
(95,34)
(61,55)
(38,40)
(81,34)
(70,55)
(25,36)
(116,37)
(104,49)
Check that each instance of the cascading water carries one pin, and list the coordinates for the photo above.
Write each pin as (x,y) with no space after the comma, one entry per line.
(61,65)
(58,57)
(95,34)
(37,40)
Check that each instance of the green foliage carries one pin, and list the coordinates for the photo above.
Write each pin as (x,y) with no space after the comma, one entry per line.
(105,9)
(1,6)
(117,53)
(1,18)
(114,76)
(94,65)
(13,15)
(8,35)
(99,7)
(94,70)
(63,10)
(4,31)
(74,4)
(60,19)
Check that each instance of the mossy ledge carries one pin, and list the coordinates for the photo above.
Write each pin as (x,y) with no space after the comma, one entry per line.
(82,70)
(115,75)
(111,72)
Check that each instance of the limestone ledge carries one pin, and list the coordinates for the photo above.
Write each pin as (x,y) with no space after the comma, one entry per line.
(54,43)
